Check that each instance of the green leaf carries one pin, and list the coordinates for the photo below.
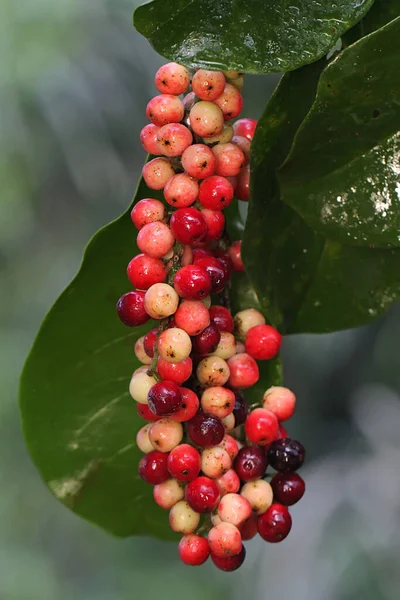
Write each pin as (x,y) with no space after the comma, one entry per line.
(254,36)
(343,174)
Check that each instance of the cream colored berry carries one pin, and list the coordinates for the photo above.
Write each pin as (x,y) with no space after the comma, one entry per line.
(226,347)
(246,319)
(212,371)
(165,434)
(259,494)
(161,301)
(174,345)
(168,493)
(222,138)
(182,518)
(140,353)
(218,401)
(229,423)
(215,462)
(206,119)
(142,439)
(140,384)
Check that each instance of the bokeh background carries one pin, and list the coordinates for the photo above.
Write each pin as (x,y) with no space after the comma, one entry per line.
(74,82)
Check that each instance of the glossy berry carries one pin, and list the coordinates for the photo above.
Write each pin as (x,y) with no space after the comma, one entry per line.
(212,371)
(215,462)
(206,119)
(155,239)
(168,493)
(192,282)
(222,318)
(249,529)
(281,401)
(215,222)
(157,173)
(164,398)
(181,191)
(246,319)
(228,483)
(261,427)
(288,488)
(225,136)
(153,467)
(263,342)
(165,434)
(230,102)
(140,384)
(149,341)
(140,352)
(147,211)
(259,495)
(227,346)
(142,439)
(215,193)
(250,463)
(174,345)
(242,190)
(275,524)
(202,494)
(230,445)
(189,406)
(286,455)
(183,519)
(218,401)
(240,409)
(144,411)
(148,139)
(205,430)
(234,252)
(144,271)
(184,463)
(177,372)
(208,85)
(207,341)
(229,563)
(244,372)
(173,139)
(224,540)
(172,78)
(245,127)
(234,509)
(216,271)
(161,301)
(230,159)
(193,550)
(164,109)
(192,316)
(188,226)
(199,161)
(131,309)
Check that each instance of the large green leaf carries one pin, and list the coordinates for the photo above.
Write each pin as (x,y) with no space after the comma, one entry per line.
(255,36)
(343,172)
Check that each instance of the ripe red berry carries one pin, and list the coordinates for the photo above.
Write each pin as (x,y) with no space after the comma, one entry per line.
(144,271)
(177,372)
(234,252)
(192,316)
(188,226)
(215,193)
(288,488)
(207,341)
(193,549)
(261,426)
(173,139)
(164,398)
(217,273)
(275,524)
(144,411)
(250,463)
(263,342)
(230,159)
(184,462)
(286,455)
(202,494)
(245,128)
(192,282)
(215,221)
(153,467)
(229,563)
(147,211)
(148,138)
(206,430)
(244,372)
(189,406)
(222,318)
(281,401)
(130,309)
(149,341)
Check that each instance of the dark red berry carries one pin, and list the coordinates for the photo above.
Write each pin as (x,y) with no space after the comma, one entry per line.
(225,260)
(207,341)
(188,226)
(192,282)
(149,342)
(130,309)
(144,411)
(216,271)
(164,398)
(184,463)
(250,463)
(153,467)
(222,318)
(286,455)
(288,488)
(202,494)
(275,524)
(206,430)
(240,410)
(229,563)
(199,253)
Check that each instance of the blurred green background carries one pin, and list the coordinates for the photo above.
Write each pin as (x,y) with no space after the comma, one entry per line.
(74,82)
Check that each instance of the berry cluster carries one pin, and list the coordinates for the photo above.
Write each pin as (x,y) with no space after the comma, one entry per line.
(205,452)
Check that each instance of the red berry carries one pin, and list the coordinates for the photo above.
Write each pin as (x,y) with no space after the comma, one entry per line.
(200,253)
(206,430)
(184,462)
(222,318)
(244,372)
(130,309)
(263,342)
(250,463)
(202,494)
(192,316)
(242,190)
(261,426)
(281,401)
(234,252)
(229,563)
(173,139)
(230,102)
(275,524)
(172,78)
(153,467)
(177,372)
(193,549)
(149,341)
(207,341)
(192,282)
(147,211)
(164,398)
(288,488)
(215,221)
(249,529)
(143,271)
(144,411)
(148,138)
(230,159)
(188,226)
(217,273)
(215,193)
(245,128)
(225,261)
(190,405)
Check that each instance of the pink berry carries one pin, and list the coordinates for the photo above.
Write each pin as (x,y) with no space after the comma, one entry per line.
(245,128)
(215,193)
(192,316)
(288,488)
(155,239)
(206,119)
(230,159)
(164,109)
(225,540)
(205,430)
(172,78)
(233,508)
(222,318)
(168,493)
(245,146)
(218,275)
(153,467)
(174,345)
(215,462)
(184,463)
(181,191)
(217,401)
(244,371)
(242,190)
(228,483)
(131,309)
(148,138)
(230,102)
(207,341)
(193,550)
(263,342)
(202,494)
(215,222)
(173,139)
(188,226)
(164,398)
(189,406)
(230,445)
(177,372)
(261,427)
(208,85)
(229,563)
(234,252)
(250,463)
(161,301)
(281,401)
(199,161)
(147,211)
(275,524)
(144,271)
(192,282)
(157,173)
(165,434)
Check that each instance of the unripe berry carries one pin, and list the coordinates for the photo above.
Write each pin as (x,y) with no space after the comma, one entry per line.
(140,385)
(188,226)
(202,494)
(131,309)
(147,211)
(183,519)
(192,316)
(244,145)
(193,550)
(155,239)
(234,252)
(212,371)
(218,275)
(148,138)
(275,524)
(160,301)
(208,85)
(222,318)
(230,445)
(215,193)
(145,413)
(244,371)
(246,319)
(261,427)
(215,462)
(181,191)
(199,161)
(218,401)
(157,173)
(230,159)
(140,352)
(164,109)
(242,190)
(172,78)
(165,434)
(215,222)
(153,467)
(173,139)
(228,483)
(168,493)
(174,345)
(281,401)
(192,282)
(288,488)
(286,455)
(259,494)
(234,509)
(144,271)
(229,563)
(164,398)
(228,423)
(142,439)
(223,137)
(230,102)
(205,430)
(263,342)
(226,347)
(207,341)
(189,406)
(245,127)
(250,463)
(177,372)
(206,119)
(184,462)
(225,540)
